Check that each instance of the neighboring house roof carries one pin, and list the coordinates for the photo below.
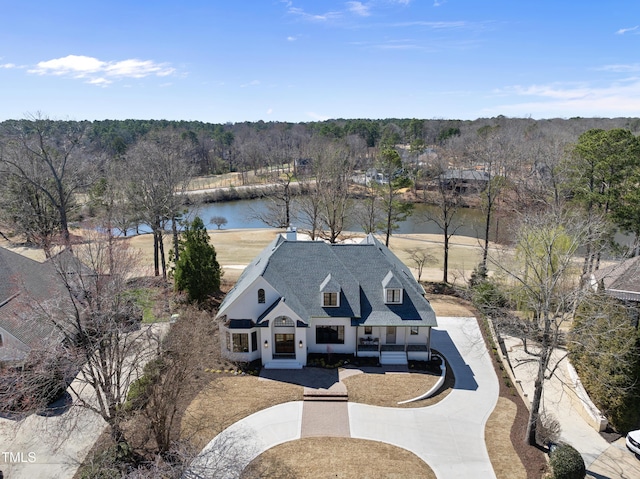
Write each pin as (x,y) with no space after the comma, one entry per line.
(621,280)
(300,270)
(26,284)
(465,175)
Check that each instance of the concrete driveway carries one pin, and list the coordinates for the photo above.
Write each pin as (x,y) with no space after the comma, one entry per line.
(449,436)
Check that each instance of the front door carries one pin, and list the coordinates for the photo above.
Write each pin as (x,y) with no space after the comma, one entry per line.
(391,335)
(285,344)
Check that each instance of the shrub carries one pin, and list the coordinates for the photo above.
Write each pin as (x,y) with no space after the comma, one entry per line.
(567,463)
(486,296)
(548,429)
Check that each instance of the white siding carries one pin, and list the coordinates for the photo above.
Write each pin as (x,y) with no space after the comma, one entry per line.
(246,306)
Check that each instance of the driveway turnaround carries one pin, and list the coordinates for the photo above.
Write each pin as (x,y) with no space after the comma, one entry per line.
(448,436)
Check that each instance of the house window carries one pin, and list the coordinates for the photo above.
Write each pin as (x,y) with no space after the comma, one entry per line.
(261,297)
(393,296)
(240,342)
(414,330)
(330,300)
(1,342)
(254,341)
(368,330)
(329,334)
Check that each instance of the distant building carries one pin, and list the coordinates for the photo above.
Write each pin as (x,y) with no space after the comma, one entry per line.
(465,180)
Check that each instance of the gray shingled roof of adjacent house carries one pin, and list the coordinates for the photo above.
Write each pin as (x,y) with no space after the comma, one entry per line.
(25,283)
(621,280)
(297,269)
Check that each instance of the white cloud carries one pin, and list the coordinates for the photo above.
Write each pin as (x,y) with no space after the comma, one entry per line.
(251,83)
(8,65)
(138,69)
(269,111)
(316,116)
(98,72)
(580,99)
(100,81)
(622,31)
(291,38)
(359,8)
(433,25)
(621,68)
(324,17)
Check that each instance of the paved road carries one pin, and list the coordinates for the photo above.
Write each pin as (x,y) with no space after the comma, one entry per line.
(449,436)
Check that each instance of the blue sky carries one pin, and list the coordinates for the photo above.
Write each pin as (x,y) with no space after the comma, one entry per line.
(300,60)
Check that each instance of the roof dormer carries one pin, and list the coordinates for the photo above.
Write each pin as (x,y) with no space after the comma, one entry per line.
(392,289)
(330,292)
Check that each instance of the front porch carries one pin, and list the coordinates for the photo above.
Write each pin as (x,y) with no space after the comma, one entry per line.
(394,344)
(394,353)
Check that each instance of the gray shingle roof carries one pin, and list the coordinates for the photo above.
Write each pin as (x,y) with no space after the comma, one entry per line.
(297,269)
(25,283)
(622,277)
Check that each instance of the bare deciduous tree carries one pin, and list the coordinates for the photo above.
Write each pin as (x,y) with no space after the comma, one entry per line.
(43,158)
(420,257)
(448,202)
(158,173)
(544,282)
(333,176)
(100,327)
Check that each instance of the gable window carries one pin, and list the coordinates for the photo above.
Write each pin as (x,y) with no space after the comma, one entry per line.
(261,296)
(330,292)
(329,334)
(393,295)
(283,322)
(330,300)
(414,330)
(368,330)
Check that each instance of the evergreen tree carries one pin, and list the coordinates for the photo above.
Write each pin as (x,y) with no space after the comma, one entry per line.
(197,271)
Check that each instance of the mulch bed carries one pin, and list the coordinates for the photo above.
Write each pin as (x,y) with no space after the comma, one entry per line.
(533,459)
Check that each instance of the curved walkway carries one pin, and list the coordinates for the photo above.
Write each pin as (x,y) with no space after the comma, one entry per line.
(448,436)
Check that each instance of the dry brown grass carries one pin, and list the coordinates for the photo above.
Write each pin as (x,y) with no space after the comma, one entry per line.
(390,388)
(227,399)
(337,457)
(505,461)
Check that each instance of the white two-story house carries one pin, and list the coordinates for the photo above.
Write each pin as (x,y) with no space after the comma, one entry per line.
(300,297)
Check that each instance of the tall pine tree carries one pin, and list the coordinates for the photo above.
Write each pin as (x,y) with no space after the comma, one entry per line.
(197,271)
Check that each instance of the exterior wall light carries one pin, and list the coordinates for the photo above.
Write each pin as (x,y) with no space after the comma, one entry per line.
(266,343)
(300,344)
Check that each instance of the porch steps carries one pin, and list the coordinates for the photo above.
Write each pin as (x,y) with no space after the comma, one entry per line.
(393,357)
(283,364)
(337,392)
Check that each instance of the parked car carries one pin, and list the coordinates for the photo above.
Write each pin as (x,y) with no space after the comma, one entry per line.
(633,441)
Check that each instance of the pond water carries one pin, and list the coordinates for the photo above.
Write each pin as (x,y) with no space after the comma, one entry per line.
(242,214)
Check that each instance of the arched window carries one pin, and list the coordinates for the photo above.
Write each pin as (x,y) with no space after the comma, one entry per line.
(261,295)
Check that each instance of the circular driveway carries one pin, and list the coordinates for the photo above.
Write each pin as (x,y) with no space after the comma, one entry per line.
(448,436)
